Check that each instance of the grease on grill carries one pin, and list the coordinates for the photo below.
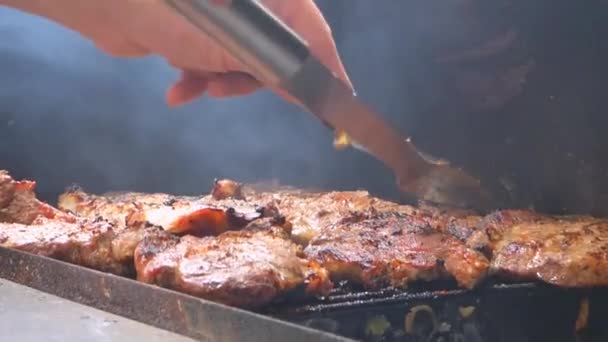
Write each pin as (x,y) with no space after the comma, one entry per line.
(583,315)
(421,321)
(466,311)
(377,326)
(170,202)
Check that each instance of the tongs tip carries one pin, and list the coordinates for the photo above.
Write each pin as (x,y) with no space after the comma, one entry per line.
(446,185)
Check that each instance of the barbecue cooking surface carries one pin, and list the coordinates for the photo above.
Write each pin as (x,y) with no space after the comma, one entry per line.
(248,247)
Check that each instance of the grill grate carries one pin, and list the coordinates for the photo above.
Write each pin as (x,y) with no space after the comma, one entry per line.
(494,312)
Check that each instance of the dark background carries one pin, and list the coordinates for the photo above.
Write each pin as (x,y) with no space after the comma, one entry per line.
(524,110)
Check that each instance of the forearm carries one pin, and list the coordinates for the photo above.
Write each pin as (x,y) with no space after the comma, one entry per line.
(72,14)
(32,6)
(50,9)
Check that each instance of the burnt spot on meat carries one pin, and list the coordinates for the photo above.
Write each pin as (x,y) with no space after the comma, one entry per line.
(354,217)
(323,212)
(269,210)
(396,231)
(170,202)
(279,220)
(156,242)
(514,248)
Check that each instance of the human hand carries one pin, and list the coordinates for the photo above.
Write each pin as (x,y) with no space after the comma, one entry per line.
(137,28)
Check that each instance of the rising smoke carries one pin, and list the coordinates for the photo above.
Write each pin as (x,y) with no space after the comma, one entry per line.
(69,114)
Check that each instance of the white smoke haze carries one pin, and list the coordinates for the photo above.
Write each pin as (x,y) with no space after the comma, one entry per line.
(70,114)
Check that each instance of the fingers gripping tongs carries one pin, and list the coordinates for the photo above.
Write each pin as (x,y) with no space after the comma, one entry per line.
(280,58)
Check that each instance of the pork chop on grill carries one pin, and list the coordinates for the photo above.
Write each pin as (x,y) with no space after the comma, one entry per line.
(568,251)
(176,214)
(369,240)
(247,268)
(18,202)
(308,212)
(33,226)
(311,212)
(88,244)
(379,249)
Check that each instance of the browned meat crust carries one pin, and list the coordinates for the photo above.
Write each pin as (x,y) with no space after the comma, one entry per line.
(365,251)
(351,234)
(197,216)
(311,212)
(491,227)
(564,251)
(18,203)
(247,268)
(30,225)
(394,249)
(83,243)
(308,212)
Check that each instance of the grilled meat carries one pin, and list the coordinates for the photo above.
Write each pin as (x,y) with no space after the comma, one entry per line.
(351,234)
(570,251)
(310,213)
(18,203)
(30,225)
(246,268)
(198,216)
(380,249)
(457,222)
(84,243)
(114,207)
(491,227)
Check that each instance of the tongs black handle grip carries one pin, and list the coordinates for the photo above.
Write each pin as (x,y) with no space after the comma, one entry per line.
(251,33)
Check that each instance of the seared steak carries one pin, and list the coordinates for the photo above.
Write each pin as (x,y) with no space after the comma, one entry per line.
(30,225)
(83,243)
(198,216)
(247,268)
(308,212)
(18,203)
(224,246)
(568,251)
(382,249)
(366,249)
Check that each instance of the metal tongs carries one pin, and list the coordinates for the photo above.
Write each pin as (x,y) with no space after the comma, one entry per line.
(280,58)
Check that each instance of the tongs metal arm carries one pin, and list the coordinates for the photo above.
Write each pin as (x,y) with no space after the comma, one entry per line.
(251,33)
(278,57)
